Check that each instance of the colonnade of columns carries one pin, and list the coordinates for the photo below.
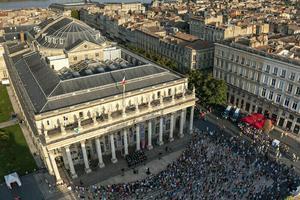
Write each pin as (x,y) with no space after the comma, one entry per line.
(125,142)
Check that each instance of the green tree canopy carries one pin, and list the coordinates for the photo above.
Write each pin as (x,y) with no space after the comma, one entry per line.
(209,90)
(75,14)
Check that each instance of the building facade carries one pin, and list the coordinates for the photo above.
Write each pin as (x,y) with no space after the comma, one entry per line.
(82,114)
(260,82)
(213,29)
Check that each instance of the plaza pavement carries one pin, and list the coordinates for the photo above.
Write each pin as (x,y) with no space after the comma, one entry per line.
(111,173)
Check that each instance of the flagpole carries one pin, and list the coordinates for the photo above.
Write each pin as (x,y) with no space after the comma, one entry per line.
(123,98)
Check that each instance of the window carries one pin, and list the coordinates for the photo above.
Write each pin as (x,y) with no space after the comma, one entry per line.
(75,58)
(278,98)
(243,61)
(295,105)
(237,59)
(266,79)
(254,64)
(48,123)
(290,88)
(158,94)
(80,114)
(97,54)
(275,71)
(281,83)
(268,69)
(263,93)
(232,57)
(271,95)
(169,92)
(273,82)
(298,91)
(292,77)
(287,102)
(283,72)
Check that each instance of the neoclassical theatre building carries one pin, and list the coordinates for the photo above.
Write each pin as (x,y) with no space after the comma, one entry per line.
(83,97)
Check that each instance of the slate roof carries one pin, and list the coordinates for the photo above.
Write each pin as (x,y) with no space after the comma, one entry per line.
(48,92)
(68,30)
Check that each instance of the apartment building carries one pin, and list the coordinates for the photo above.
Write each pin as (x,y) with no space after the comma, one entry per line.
(260,80)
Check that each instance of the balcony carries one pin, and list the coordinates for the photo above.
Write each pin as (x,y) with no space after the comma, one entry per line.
(71,126)
(188,92)
(130,109)
(178,96)
(155,102)
(167,99)
(102,117)
(87,122)
(143,106)
(116,114)
(54,131)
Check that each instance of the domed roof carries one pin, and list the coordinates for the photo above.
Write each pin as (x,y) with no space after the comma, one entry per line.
(63,32)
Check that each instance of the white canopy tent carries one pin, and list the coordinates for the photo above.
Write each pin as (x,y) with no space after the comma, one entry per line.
(12,178)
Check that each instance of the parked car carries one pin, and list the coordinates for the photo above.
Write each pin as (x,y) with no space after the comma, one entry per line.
(226,112)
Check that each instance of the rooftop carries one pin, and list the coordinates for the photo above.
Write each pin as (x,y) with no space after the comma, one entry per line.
(49,90)
(63,32)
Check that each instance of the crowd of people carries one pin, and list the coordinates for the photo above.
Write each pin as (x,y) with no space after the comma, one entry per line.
(213,166)
(255,134)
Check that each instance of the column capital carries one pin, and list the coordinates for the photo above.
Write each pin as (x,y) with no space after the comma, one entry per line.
(67,147)
(82,143)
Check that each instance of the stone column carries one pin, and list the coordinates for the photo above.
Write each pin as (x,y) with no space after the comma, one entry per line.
(85,158)
(181,124)
(138,140)
(99,153)
(71,165)
(55,168)
(46,134)
(171,138)
(62,128)
(161,123)
(192,119)
(150,135)
(113,151)
(184,118)
(125,141)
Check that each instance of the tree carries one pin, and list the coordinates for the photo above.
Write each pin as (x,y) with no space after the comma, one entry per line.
(75,14)
(210,91)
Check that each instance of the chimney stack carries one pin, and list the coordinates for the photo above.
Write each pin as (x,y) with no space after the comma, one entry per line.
(22,37)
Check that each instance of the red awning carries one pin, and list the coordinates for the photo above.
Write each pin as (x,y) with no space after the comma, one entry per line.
(256,120)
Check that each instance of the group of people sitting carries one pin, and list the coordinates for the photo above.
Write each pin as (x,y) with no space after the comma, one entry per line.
(136,158)
(213,166)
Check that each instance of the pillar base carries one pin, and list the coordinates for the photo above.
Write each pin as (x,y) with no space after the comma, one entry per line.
(74,176)
(88,170)
(160,143)
(101,165)
(149,147)
(181,135)
(191,131)
(59,181)
(114,160)
(171,139)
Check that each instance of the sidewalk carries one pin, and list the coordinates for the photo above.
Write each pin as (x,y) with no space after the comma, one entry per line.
(8,123)
(25,131)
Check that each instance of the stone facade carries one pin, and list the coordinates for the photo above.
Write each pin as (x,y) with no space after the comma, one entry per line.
(259,82)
